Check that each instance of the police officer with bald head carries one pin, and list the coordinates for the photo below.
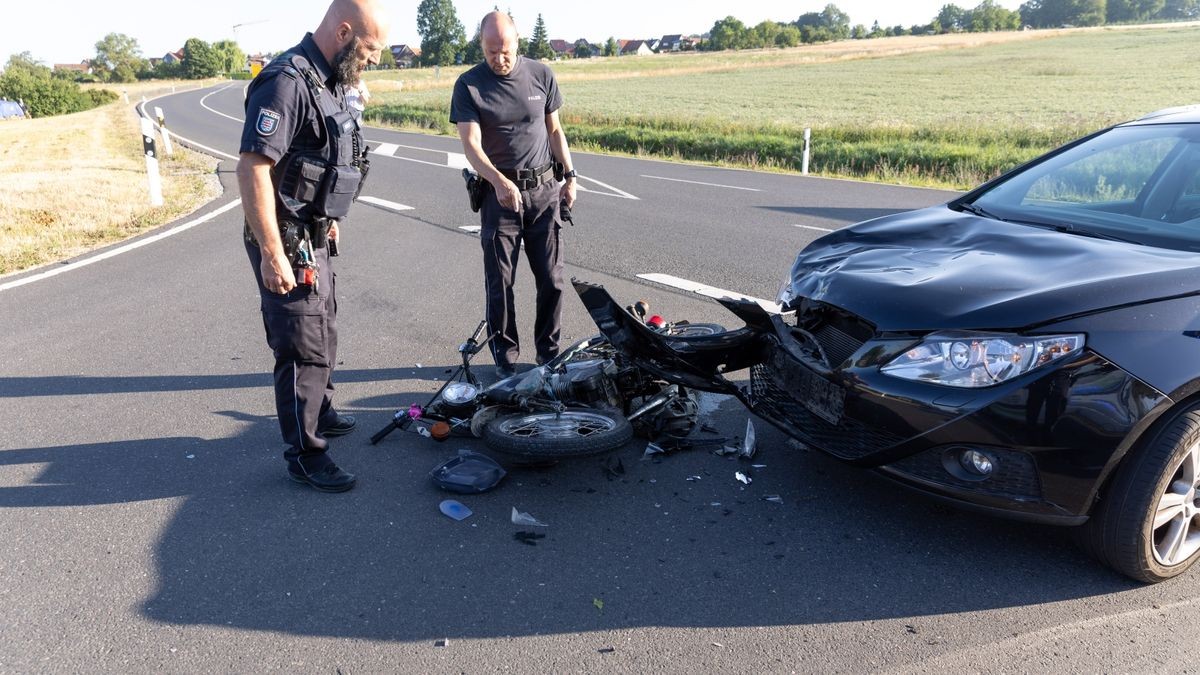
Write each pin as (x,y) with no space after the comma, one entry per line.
(302,164)
(506,110)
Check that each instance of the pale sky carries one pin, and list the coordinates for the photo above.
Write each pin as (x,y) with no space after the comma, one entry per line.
(159,27)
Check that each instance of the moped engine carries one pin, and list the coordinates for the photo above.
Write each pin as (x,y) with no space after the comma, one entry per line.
(588,383)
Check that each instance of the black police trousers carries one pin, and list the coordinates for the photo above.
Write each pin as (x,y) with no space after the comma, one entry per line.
(539,227)
(301,330)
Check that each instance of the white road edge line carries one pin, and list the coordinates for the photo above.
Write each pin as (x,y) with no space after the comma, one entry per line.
(120,249)
(218,112)
(696,182)
(391,206)
(473,229)
(142,109)
(814,227)
(708,291)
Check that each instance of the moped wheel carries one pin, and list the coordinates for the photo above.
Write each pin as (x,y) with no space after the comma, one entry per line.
(575,432)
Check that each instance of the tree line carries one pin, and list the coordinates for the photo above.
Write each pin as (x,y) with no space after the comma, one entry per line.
(444,40)
(119,58)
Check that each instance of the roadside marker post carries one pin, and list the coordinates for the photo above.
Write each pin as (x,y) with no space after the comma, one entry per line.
(807,141)
(162,128)
(156,197)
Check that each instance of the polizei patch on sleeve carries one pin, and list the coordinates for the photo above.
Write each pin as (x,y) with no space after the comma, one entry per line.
(268,121)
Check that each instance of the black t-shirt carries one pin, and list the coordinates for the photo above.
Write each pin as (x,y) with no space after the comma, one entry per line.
(280,115)
(511,111)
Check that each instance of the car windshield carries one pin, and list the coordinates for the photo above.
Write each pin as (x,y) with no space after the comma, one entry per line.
(1138,183)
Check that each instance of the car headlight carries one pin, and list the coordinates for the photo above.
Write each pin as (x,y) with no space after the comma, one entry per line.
(979,359)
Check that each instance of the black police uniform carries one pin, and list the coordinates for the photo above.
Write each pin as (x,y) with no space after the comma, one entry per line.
(511,112)
(296,115)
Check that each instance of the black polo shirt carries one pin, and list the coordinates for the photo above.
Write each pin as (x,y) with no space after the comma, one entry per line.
(510,111)
(280,113)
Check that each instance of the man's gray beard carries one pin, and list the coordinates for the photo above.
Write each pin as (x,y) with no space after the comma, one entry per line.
(345,66)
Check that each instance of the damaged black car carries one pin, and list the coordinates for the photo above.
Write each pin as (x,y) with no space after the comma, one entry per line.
(1031,349)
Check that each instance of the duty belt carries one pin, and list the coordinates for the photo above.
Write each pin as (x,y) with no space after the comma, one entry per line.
(528,179)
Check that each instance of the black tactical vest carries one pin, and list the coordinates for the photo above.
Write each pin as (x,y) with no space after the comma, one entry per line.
(320,182)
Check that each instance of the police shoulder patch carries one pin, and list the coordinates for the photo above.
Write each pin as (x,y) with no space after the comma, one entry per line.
(268,122)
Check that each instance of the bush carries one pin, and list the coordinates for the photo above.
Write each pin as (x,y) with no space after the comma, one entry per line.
(46,95)
(241,76)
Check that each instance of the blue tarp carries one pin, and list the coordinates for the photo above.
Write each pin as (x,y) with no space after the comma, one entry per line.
(10,109)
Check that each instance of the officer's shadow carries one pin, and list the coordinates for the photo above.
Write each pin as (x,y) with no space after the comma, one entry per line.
(630,545)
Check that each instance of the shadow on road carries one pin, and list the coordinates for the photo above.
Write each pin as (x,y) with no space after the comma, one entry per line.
(646,547)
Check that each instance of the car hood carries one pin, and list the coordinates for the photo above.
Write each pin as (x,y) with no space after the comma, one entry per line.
(940,269)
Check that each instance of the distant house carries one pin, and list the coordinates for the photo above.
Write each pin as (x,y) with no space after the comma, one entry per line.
(635,48)
(562,49)
(690,43)
(652,43)
(84,67)
(405,55)
(173,57)
(592,49)
(154,61)
(670,43)
(259,60)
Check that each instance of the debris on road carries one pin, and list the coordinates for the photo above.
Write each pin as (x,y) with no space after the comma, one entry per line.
(444,642)
(606,650)
(598,604)
(528,538)
(522,518)
(750,442)
(743,478)
(468,473)
(455,509)
(774,499)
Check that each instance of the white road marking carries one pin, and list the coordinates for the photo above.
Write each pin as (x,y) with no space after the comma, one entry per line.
(141,107)
(218,112)
(457,160)
(383,203)
(814,227)
(388,149)
(696,182)
(619,193)
(120,249)
(473,229)
(707,291)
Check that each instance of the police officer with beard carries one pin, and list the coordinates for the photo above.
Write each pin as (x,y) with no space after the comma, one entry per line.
(302,164)
(506,110)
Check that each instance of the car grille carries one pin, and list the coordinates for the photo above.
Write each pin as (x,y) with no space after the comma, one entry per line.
(849,439)
(837,344)
(1015,474)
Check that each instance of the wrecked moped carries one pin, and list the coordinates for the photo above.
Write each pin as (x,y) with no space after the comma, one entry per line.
(590,399)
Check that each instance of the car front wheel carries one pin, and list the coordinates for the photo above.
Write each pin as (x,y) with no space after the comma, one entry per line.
(1147,525)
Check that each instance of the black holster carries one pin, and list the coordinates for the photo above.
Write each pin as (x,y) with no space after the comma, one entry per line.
(476,188)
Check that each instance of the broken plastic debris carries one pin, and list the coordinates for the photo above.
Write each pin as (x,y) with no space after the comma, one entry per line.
(468,473)
(522,518)
(727,450)
(424,432)
(528,538)
(743,478)
(598,603)
(653,449)
(714,503)
(191,457)
(455,509)
(774,499)
(420,366)
(758,466)
(444,642)
(606,650)
(750,443)
(693,478)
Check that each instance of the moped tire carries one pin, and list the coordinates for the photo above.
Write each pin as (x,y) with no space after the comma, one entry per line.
(575,432)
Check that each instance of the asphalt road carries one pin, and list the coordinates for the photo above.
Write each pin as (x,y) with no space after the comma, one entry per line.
(147,524)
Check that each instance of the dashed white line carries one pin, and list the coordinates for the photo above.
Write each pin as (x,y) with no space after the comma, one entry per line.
(120,249)
(696,182)
(814,227)
(707,291)
(383,203)
(388,149)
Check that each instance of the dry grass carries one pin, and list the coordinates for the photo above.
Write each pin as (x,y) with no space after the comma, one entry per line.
(75,182)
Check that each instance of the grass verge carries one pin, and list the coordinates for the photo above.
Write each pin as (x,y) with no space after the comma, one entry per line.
(76,182)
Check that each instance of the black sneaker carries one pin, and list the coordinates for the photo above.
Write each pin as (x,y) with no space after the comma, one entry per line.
(328,478)
(341,425)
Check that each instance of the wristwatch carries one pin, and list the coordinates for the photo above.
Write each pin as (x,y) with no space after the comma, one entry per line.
(571,174)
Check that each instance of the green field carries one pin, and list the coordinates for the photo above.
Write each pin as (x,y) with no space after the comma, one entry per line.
(930,111)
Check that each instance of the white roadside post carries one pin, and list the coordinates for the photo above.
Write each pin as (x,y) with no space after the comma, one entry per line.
(162,129)
(804,161)
(156,197)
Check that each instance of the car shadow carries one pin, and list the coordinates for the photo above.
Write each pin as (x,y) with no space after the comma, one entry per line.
(675,541)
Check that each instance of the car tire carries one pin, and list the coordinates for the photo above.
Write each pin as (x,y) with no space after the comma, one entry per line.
(576,432)
(1146,524)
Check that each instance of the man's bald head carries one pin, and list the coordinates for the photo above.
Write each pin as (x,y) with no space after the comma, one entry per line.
(351,36)
(498,37)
